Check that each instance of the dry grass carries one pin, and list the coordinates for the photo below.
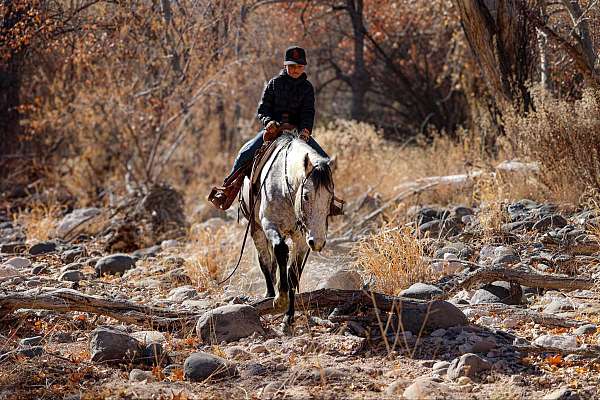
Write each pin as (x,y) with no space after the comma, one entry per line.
(394,257)
(214,250)
(40,220)
(564,137)
(490,193)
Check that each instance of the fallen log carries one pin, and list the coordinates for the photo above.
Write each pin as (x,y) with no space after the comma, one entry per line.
(67,300)
(415,314)
(520,276)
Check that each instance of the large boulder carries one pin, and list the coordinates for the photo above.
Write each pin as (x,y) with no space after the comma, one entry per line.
(344,279)
(114,264)
(113,346)
(202,366)
(435,315)
(76,221)
(229,323)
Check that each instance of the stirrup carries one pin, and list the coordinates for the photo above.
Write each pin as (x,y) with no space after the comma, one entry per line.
(336,209)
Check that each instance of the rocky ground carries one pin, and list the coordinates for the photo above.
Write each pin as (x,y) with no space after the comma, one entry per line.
(501,340)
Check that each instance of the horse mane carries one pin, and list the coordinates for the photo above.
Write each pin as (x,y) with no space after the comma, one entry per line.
(322,176)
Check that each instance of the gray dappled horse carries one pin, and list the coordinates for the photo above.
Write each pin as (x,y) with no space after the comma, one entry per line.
(296,190)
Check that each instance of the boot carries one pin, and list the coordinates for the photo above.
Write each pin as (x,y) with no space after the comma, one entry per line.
(336,207)
(223,197)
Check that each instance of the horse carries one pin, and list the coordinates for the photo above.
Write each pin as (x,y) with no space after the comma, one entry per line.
(296,189)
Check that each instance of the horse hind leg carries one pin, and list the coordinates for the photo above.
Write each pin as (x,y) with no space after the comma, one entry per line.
(266,260)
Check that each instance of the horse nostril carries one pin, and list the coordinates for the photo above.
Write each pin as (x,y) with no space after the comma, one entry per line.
(311,243)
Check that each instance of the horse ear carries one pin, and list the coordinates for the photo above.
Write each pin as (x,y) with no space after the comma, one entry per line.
(308,167)
(332,163)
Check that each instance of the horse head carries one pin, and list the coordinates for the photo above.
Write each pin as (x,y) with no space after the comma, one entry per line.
(313,200)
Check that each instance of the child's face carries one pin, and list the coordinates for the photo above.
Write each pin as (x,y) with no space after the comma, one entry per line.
(294,70)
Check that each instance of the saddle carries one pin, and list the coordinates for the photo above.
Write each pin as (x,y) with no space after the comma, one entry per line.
(222,197)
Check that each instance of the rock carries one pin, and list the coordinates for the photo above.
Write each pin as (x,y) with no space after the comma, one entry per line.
(114,264)
(467,365)
(259,349)
(505,259)
(182,293)
(563,393)
(197,304)
(145,337)
(6,271)
(169,244)
(154,354)
(441,365)
(496,292)
(31,341)
(75,266)
(438,333)
(202,366)
(113,346)
(229,323)
(30,352)
(42,248)
(489,253)
(137,375)
(71,255)
(439,228)
(421,291)
(12,247)
(425,388)
(550,221)
(559,305)
(565,342)
(39,269)
(480,346)
(71,276)
(238,353)
(253,369)
(77,221)
(586,329)
(18,263)
(343,279)
(437,314)
(147,252)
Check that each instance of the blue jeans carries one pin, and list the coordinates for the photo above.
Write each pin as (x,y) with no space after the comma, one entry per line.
(251,147)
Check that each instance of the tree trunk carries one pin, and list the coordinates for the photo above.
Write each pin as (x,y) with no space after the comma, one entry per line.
(502,41)
(359,79)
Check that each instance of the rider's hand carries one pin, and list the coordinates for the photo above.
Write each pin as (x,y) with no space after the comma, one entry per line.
(304,135)
(272,127)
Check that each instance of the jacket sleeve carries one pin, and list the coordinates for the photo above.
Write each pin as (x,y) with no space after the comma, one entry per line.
(266,105)
(307,112)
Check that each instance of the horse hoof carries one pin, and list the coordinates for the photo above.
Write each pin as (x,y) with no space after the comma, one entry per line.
(280,304)
(287,328)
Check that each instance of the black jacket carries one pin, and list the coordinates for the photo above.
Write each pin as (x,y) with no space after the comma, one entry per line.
(286,95)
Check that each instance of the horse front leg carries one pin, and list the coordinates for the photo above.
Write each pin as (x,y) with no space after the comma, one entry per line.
(294,275)
(281,251)
(266,261)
